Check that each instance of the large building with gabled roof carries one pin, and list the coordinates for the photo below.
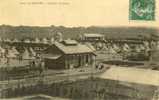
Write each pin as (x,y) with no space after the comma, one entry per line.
(68,54)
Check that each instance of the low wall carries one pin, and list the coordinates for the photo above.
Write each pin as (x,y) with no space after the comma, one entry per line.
(85,89)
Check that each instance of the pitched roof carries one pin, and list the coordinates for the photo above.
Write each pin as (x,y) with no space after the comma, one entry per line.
(91,46)
(70,42)
(71,49)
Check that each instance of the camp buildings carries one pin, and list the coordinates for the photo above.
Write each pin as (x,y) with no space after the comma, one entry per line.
(92,37)
(68,54)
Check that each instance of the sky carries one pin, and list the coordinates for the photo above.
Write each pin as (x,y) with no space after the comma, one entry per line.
(70,13)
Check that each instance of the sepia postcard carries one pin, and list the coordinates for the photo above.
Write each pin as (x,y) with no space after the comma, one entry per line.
(79,50)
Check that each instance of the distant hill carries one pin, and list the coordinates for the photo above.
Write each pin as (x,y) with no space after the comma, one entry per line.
(21,32)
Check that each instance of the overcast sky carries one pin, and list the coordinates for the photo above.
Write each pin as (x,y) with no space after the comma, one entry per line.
(72,13)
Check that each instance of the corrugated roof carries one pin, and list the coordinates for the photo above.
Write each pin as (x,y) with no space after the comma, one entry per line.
(71,49)
(132,75)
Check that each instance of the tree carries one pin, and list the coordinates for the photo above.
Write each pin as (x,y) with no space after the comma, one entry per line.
(58,37)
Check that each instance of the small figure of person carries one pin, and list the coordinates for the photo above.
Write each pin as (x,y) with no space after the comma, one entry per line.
(96,66)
